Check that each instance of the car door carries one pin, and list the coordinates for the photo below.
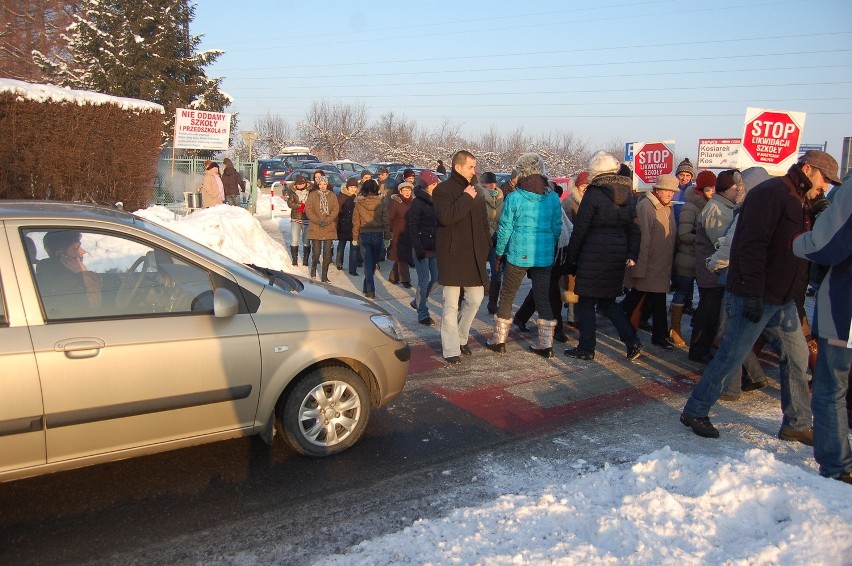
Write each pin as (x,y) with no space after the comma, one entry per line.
(144,363)
(21,415)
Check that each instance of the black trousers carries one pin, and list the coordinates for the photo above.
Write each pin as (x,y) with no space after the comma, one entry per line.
(656,303)
(512,278)
(705,321)
(554,297)
(585,312)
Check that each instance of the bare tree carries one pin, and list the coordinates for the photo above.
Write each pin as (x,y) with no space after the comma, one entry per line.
(334,127)
(32,25)
(273,134)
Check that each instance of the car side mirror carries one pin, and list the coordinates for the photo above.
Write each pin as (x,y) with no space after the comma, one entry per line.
(225,303)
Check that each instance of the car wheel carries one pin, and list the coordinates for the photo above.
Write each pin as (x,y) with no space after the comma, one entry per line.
(326,412)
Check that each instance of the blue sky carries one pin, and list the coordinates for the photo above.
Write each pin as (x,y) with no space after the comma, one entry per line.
(603,70)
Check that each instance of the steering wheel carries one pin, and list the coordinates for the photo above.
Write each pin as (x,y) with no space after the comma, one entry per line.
(129,293)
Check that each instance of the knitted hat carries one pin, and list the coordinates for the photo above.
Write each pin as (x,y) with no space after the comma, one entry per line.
(530,164)
(582,178)
(427,178)
(685,167)
(725,181)
(602,163)
(351,182)
(408,173)
(489,177)
(666,183)
(322,179)
(705,180)
(404,186)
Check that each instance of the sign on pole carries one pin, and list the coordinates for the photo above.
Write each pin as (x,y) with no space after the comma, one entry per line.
(714,153)
(771,139)
(200,129)
(803,147)
(650,160)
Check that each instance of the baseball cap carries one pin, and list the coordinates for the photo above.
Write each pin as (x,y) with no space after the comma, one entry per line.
(824,162)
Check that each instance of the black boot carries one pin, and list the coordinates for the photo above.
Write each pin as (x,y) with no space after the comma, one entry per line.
(493,295)
(314,270)
(338,263)
(294,254)
(306,254)
(325,272)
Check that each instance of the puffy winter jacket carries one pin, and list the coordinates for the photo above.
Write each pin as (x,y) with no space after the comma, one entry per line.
(529,226)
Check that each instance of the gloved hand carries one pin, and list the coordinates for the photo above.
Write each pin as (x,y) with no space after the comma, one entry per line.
(387,243)
(753,309)
(499,261)
(818,205)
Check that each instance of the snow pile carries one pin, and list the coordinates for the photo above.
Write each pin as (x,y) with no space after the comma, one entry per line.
(50,93)
(230,230)
(667,508)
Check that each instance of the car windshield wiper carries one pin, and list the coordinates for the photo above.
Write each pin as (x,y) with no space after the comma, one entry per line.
(279,278)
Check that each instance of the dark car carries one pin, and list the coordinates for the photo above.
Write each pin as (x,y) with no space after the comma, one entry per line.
(396,177)
(271,170)
(336,180)
(277,168)
(391,166)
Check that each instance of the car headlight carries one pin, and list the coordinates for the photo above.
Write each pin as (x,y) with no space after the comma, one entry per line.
(388,325)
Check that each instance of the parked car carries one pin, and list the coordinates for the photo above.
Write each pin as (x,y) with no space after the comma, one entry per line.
(164,343)
(349,168)
(396,177)
(391,166)
(271,170)
(335,179)
(296,160)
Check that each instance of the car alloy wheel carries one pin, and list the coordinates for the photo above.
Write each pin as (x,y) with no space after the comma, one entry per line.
(326,411)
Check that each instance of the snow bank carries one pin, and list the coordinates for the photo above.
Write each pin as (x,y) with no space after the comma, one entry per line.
(666,508)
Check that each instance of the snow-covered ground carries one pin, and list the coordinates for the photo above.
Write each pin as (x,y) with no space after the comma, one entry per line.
(693,505)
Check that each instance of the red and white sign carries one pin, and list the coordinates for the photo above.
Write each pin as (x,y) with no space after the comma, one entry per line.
(715,153)
(771,139)
(201,129)
(650,160)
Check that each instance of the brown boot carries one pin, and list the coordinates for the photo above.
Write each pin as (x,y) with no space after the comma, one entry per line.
(674,333)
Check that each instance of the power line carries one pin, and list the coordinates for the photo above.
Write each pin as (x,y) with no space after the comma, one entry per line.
(678,72)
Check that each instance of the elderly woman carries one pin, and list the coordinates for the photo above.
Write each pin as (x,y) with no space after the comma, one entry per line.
(604,242)
(212,189)
(528,230)
(322,209)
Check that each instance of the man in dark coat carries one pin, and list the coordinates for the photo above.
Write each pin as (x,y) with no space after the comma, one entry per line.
(604,242)
(462,244)
(759,295)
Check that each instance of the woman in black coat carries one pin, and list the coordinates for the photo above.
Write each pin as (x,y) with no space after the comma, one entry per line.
(604,242)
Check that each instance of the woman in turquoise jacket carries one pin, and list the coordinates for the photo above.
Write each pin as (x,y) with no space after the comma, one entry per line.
(529,228)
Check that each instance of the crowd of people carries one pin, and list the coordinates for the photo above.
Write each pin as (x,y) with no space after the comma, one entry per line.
(739,235)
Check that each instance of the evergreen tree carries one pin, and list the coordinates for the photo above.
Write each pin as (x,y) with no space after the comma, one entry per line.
(138,49)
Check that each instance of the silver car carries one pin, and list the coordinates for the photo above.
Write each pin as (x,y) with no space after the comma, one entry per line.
(119,337)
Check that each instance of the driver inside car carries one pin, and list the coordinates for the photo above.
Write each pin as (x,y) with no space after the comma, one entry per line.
(64,278)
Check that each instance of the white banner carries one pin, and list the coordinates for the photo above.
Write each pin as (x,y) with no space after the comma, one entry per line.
(718,153)
(201,129)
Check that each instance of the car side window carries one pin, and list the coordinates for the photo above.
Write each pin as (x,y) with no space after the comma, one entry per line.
(89,274)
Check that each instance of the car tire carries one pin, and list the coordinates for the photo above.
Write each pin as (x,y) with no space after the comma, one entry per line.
(325,412)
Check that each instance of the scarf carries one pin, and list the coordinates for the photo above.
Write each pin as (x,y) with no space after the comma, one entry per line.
(564,237)
(323,196)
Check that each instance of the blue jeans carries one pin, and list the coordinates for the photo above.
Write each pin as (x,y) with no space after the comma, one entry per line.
(831,380)
(427,275)
(371,244)
(683,286)
(781,321)
(298,233)
(496,275)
